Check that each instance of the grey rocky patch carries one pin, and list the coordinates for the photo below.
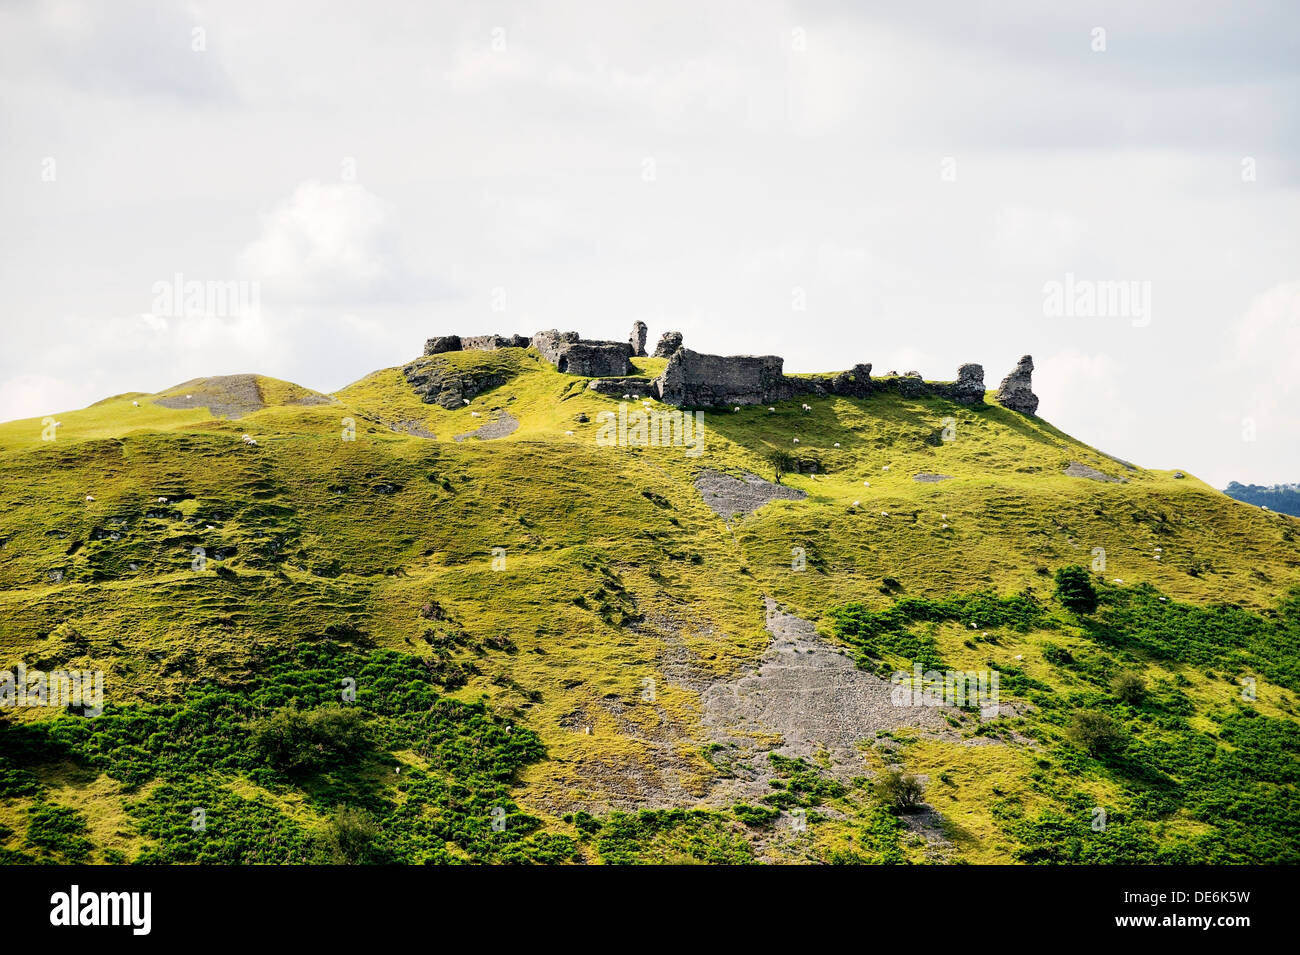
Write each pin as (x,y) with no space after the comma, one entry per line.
(968,389)
(438,383)
(501,424)
(1016,391)
(728,496)
(927,478)
(637,339)
(413,427)
(669,342)
(1077,469)
(588,359)
(807,699)
(228,396)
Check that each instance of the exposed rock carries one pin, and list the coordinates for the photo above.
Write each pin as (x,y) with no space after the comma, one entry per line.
(637,339)
(502,424)
(1079,470)
(589,359)
(436,382)
(853,384)
(968,389)
(669,342)
(727,496)
(1016,391)
(701,381)
(927,478)
(1179,474)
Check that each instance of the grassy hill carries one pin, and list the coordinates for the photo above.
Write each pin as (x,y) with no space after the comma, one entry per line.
(367,633)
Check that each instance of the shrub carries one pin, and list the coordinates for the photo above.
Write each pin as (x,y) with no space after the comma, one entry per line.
(1129,687)
(1096,732)
(1075,591)
(301,741)
(898,791)
(350,836)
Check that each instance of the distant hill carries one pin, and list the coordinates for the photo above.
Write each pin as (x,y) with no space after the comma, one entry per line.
(1283,498)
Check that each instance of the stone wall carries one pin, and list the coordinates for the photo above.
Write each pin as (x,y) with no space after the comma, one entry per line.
(701,381)
(588,359)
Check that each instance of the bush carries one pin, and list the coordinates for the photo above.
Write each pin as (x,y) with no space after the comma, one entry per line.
(898,791)
(302,741)
(1075,591)
(350,836)
(1096,732)
(1129,687)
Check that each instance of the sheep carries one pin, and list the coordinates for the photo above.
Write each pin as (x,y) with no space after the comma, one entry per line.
(568,434)
(837,444)
(737,408)
(884,513)
(884,467)
(135,404)
(466,400)
(943,527)
(162,500)
(90,497)
(796,440)
(1117,580)
(856,503)
(771,409)
(626,397)
(866,484)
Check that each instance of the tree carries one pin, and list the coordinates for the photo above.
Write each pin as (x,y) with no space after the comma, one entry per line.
(782,463)
(1096,732)
(1074,589)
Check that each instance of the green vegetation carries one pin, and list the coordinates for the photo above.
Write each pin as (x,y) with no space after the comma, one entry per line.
(530,622)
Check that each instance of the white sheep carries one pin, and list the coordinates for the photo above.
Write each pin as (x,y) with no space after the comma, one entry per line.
(884,513)
(135,404)
(837,444)
(162,500)
(943,527)
(771,409)
(866,484)
(90,497)
(884,467)
(856,503)
(475,414)
(568,434)
(737,408)
(796,440)
(1118,580)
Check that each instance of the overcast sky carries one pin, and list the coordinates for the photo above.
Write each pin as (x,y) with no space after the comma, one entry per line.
(831,182)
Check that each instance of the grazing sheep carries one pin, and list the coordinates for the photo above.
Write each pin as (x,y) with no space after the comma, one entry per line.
(475,414)
(626,397)
(90,497)
(796,440)
(856,503)
(737,408)
(771,409)
(568,434)
(162,500)
(837,444)
(135,404)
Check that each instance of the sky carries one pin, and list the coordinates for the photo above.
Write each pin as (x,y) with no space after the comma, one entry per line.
(914,185)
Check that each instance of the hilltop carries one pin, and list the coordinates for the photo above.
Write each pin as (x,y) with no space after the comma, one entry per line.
(567,643)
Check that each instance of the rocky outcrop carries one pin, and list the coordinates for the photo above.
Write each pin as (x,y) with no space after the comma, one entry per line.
(437,382)
(669,342)
(637,339)
(1016,391)
(617,387)
(968,389)
(588,359)
(702,381)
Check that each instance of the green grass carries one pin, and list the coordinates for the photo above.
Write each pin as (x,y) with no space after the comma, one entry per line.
(382,548)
